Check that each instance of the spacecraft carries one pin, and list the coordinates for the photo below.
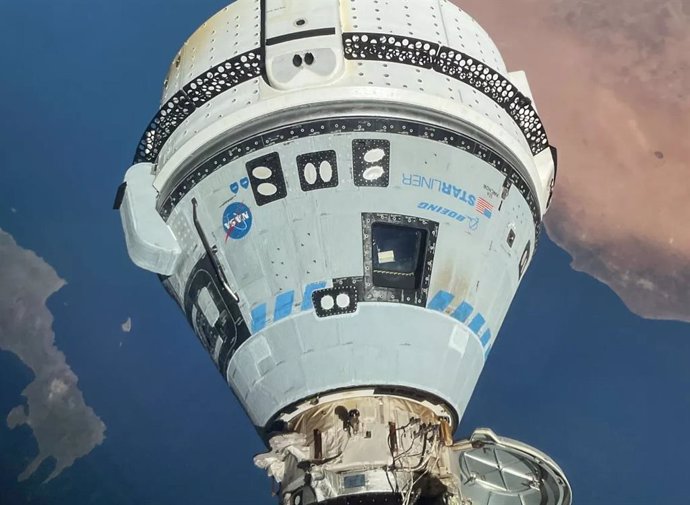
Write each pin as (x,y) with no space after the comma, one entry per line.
(343,197)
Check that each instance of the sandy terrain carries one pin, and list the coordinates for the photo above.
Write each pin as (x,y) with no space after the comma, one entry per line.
(611,80)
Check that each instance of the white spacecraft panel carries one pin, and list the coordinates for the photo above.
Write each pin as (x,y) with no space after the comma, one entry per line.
(343,197)
(213,75)
(288,221)
(214,97)
(150,242)
(279,179)
(430,354)
(465,34)
(233,31)
(303,43)
(420,19)
(236,99)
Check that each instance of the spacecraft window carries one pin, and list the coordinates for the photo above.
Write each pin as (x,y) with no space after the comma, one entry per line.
(397,255)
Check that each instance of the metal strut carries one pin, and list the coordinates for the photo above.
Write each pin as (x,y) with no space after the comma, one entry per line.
(212,254)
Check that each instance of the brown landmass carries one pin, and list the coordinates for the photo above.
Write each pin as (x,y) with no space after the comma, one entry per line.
(611,80)
(64,426)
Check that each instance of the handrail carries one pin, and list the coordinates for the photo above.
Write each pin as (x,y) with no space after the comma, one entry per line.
(212,255)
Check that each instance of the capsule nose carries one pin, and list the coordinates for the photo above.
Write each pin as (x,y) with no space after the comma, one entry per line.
(304,45)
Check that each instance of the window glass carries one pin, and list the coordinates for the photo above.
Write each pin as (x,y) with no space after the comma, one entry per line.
(397,255)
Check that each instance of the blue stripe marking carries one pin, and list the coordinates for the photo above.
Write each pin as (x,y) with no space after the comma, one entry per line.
(477,323)
(306,299)
(462,312)
(440,301)
(486,338)
(258,317)
(488,350)
(283,306)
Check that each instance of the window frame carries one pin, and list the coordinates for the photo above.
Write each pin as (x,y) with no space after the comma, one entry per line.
(417,296)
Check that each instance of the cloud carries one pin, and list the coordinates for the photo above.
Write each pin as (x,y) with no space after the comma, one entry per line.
(65,427)
(127,325)
(611,80)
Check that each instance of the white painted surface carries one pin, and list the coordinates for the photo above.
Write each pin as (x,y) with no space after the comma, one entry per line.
(150,243)
(316,236)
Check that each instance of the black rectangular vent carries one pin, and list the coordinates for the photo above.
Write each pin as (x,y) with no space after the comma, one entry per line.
(266,177)
(317,170)
(371,162)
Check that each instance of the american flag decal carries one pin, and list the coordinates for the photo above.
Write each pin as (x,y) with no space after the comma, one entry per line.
(484,207)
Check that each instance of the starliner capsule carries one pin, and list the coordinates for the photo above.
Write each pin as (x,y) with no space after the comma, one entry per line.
(343,197)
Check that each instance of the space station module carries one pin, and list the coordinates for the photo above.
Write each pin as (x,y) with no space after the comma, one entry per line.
(343,197)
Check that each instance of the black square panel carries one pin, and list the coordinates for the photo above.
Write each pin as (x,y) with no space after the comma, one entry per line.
(371,162)
(266,177)
(524,259)
(317,170)
(335,301)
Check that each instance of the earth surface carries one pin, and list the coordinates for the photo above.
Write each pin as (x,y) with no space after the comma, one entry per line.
(106,397)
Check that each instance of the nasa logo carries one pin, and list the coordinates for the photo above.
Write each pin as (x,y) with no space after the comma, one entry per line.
(237,221)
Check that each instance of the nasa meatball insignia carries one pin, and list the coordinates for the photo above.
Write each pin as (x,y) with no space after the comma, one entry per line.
(237,221)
